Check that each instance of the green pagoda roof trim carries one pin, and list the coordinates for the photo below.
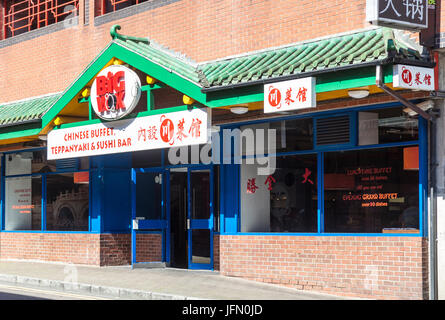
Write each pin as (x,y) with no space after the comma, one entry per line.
(347,50)
(353,49)
(357,49)
(31,109)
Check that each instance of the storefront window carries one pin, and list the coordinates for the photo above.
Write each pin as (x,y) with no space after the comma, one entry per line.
(372,191)
(284,200)
(147,159)
(386,126)
(294,135)
(23,203)
(149,195)
(67,201)
(28,162)
(194,154)
(276,136)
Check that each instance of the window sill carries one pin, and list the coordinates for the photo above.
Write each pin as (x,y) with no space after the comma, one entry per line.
(72,22)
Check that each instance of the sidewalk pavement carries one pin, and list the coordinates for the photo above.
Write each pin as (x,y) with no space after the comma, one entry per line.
(152,284)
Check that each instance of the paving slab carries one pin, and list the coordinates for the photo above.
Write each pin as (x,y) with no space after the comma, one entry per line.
(152,283)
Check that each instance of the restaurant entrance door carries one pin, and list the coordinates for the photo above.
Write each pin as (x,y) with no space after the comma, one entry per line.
(191,217)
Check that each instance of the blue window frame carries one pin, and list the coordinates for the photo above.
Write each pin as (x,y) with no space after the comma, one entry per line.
(232,209)
(73,212)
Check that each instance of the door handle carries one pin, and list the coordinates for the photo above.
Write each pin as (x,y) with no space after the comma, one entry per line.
(188,224)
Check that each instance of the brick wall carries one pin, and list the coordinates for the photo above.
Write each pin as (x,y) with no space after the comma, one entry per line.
(370,267)
(149,247)
(216,252)
(203,30)
(79,248)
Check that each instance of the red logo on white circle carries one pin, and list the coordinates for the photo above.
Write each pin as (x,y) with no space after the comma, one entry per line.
(407,76)
(274,96)
(167,129)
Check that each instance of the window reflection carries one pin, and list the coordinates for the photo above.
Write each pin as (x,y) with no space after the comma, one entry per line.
(372,191)
(67,201)
(282,201)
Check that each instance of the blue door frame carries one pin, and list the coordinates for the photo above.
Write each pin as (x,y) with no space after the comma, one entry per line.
(199,224)
(149,225)
(164,224)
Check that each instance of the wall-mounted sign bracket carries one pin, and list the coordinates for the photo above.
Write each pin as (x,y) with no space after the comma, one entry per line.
(392,93)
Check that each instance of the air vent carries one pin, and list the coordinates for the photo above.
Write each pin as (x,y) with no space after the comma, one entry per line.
(333,130)
(67,164)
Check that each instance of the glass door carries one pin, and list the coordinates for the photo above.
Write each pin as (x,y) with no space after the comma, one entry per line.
(200,217)
(149,212)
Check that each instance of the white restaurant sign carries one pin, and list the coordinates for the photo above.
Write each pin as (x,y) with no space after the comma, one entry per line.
(151,132)
(412,77)
(290,95)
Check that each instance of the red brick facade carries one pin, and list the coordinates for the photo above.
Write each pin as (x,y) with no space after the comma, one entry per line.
(203,30)
(371,267)
(376,267)
(79,248)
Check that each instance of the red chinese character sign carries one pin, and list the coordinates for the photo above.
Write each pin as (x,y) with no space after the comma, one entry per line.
(173,129)
(411,77)
(115,92)
(290,95)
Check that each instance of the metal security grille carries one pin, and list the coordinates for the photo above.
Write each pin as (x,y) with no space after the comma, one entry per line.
(68,164)
(114,5)
(26,15)
(335,130)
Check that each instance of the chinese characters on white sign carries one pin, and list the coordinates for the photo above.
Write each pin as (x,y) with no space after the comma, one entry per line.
(411,77)
(289,95)
(401,14)
(174,129)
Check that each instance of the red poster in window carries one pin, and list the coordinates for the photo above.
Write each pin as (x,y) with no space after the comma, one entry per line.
(81,177)
(411,158)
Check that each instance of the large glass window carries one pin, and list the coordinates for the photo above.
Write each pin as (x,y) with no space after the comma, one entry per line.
(107,6)
(147,158)
(21,16)
(294,135)
(372,191)
(386,126)
(64,203)
(67,201)
(28,162)
(282,200)
(277,136)
(23,203)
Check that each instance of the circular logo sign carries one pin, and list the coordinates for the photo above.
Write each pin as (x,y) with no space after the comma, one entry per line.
(407,76)
(274,97)
(115,92)
(167,129)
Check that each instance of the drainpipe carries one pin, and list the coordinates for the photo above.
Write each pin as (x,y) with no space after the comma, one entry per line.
(432,171)
(433,214)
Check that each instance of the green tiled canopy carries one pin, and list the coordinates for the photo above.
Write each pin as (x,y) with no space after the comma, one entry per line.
(348,50)
(26,110)
(322,55)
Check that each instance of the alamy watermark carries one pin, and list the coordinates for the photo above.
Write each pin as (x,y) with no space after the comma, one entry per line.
(231,146)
